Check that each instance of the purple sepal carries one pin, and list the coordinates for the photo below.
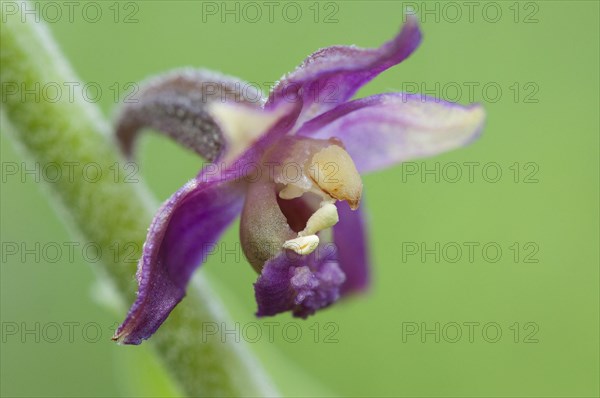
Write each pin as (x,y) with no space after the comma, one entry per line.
(350,238)
(331,75)
(182,234)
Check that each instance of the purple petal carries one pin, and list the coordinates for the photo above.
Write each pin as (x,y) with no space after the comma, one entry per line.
(183,232)
(176,104)
(386,129)
(332,75)
(350,238)
(301,284)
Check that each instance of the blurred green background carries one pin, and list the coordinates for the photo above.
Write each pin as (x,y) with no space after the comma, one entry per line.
(541,293)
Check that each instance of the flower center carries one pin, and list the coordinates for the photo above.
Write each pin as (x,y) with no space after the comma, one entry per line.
(294,199)
(320,168)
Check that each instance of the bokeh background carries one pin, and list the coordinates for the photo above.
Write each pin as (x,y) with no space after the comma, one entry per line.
(541,292)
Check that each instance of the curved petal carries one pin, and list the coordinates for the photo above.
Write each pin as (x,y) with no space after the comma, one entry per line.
(332,75)
(386,129)
(350,238)
(301,284)
(183,232)
(175,104)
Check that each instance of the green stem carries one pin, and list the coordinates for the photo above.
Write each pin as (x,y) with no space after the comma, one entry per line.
(112,213)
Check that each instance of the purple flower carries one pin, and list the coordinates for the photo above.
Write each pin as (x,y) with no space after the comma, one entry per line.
(290,164)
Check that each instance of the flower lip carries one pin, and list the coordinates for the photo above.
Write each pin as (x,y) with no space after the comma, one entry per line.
(302,284)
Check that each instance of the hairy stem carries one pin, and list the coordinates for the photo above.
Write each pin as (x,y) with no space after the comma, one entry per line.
(110,211)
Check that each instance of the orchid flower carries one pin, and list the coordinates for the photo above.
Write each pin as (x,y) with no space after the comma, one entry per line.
(290,164)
